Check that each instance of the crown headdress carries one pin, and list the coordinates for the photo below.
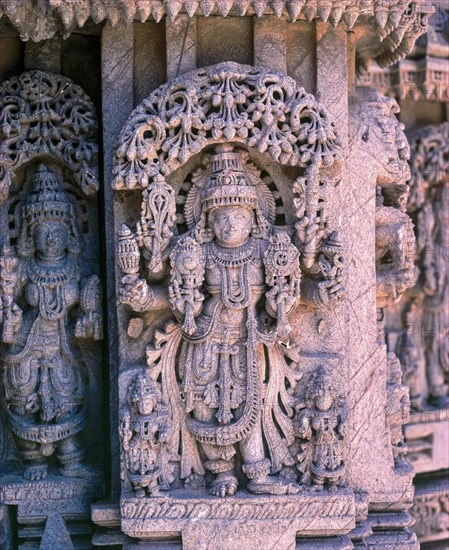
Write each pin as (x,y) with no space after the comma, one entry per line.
(47,200)
(228,182)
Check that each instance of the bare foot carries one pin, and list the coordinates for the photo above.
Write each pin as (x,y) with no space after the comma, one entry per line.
(225,484)
(35,472)
(271,485)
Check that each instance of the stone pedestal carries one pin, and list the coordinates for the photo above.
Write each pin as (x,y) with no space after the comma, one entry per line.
(243,521)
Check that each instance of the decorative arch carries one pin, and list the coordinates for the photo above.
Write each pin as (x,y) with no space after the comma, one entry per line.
(229,102)
(44,115)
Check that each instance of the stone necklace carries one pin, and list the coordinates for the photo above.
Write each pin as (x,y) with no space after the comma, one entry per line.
(234,273)
(50,281)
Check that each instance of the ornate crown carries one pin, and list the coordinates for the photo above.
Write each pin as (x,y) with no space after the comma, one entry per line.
(142,387)
(228,183)
(47,200)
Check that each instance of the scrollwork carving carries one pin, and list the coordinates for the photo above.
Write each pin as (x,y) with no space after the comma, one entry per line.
(46,114)
(230,102)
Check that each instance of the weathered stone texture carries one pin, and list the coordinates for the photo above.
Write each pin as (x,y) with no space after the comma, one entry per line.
(252,240)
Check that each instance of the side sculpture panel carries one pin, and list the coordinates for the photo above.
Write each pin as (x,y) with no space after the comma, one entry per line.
(50,308)
(419,331)
(379,164)
(217,269)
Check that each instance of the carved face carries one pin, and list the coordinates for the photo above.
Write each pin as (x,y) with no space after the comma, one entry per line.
(324,401)
(146,404)
(50,239)
(231,224)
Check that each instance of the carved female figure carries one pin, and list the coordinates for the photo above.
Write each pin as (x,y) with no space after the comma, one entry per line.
(234,281)
(52,307)
(322,422)
(435,285)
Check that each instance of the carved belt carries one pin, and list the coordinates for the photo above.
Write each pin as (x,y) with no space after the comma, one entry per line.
(46,433)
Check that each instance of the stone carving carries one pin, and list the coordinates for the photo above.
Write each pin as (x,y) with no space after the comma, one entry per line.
(46,114)
(395,240)
(409,353)
(397,409)
(429,300)
(431,512)
(375,124)
(424,74)
(234,103)
(234,281)
(322,422)
(396,24)
(144,431)
(48,304)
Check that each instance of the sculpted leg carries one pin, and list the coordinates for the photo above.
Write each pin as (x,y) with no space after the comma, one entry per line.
(220,460)
(36,466)
(257,468)
(70,454)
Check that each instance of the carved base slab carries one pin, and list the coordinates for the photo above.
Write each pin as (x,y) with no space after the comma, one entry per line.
(45,509)
(244,521)
(55,493)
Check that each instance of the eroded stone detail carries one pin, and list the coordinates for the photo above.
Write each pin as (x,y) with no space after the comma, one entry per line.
(395,240)
(398,408)
(431,512)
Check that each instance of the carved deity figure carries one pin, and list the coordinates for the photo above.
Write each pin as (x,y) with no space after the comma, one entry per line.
(428,305)
(397,408)
(234,281)
(49,305)
(144,429)
(322,422)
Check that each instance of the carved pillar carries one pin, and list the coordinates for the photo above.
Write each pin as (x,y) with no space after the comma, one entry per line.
(50,313)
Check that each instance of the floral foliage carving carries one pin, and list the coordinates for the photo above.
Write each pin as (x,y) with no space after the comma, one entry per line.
(46,114)
(230,102)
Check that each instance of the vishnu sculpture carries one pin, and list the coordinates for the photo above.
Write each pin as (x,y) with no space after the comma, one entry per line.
(224,363)
(49,305)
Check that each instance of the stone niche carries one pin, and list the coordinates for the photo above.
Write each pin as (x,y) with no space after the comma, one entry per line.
(253,204)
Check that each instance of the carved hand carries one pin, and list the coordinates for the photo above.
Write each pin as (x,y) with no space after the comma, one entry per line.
(12,321)
(136,293)
(90,326)
(330,292)
(181,297)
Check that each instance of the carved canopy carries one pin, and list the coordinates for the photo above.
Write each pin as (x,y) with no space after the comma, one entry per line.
(43,114)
